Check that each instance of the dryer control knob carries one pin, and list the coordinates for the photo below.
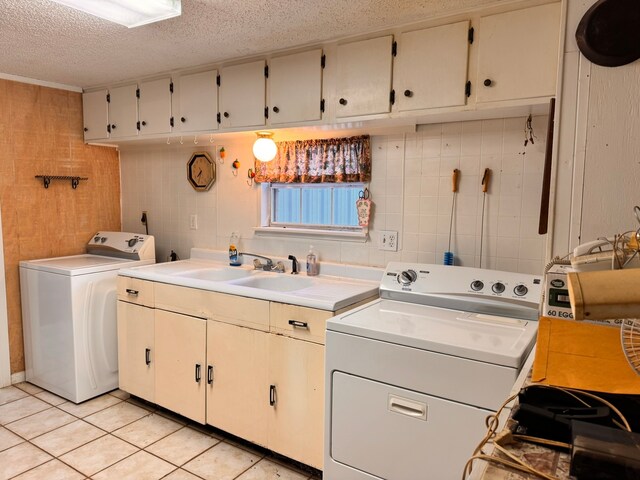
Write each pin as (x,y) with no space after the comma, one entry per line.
(103,239)
(498,287)
(477,285)
(132,241)
(521,290)
(96,239)
(407,277)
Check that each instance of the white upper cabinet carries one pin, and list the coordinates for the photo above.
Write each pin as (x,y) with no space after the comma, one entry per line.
(195,102)
(242,95)
(295,87)
(155,106)
(95,112)
(430,69)
(518,54)
(363,77)
(123,111)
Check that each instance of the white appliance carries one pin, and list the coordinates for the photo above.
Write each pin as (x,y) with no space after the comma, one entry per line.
(69,315)
(411,377)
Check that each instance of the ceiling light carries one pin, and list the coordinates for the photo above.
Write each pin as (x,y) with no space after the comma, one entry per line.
(264,148)
(130,13)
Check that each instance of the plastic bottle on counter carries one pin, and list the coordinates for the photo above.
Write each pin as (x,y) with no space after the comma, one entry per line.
(312,263)
(233,250)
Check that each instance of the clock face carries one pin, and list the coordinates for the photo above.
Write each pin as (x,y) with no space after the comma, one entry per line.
(201,171)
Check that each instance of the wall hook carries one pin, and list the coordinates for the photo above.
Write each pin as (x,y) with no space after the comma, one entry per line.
(181,141)
(168,140)
(195,139)
(251,175)
(222,153)
(235,165)
(211,138)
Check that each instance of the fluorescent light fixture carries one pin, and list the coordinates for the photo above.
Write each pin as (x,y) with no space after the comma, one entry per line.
(130,13)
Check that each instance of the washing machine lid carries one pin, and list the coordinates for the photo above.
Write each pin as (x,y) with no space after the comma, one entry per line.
(485,338)
(79,264)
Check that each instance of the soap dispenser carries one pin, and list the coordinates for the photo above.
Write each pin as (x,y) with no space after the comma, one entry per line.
(233,250)
(312,263)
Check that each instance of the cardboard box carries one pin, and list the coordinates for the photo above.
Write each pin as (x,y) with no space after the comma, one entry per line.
(556,293)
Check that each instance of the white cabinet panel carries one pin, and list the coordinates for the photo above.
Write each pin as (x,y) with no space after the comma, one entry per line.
(136,350)
(295,87)
(364,77)
(155,106)
(195,102)
(431,67)
(518,54)
(123,111)
(95,112)
(242,95)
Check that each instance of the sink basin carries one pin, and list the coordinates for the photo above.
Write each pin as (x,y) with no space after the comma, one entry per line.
(216,274)
(277,282)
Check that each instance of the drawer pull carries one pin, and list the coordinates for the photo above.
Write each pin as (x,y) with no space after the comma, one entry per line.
(407,407)
(132,292)
(209,374)
(147,356)
(272,395)
(198,375)
(298,324)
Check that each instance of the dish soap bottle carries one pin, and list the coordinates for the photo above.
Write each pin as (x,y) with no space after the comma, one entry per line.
(312,263)
(233,250)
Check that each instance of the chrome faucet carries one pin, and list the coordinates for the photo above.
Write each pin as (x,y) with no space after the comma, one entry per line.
(268,266)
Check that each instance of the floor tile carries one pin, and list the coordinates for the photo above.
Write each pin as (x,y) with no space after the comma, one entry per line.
(121,394)
(267,470)
(98,455)
(29,387)
(66,438)
(182,446)
(139,466)
(180,474)
(10,412)
(8,439)
(222,462)
(50,398)
(9,394)
(20,458)
(117,416)
(90,406)
(147,430)
(52,470)
(39,423)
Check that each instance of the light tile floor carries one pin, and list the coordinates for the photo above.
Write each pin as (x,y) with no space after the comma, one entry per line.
(114,437)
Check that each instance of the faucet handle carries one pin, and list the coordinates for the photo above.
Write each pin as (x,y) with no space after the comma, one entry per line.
(279,267)
(257,264)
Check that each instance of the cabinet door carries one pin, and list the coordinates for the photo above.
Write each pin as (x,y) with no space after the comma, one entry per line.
(95,113)
(364,77)
(155,106)
(180,364)
(196,102)
(237,390)
(518,53)
(431,67)
(136,350)
(296,421)
(295,87)
(123,111)
(242,95)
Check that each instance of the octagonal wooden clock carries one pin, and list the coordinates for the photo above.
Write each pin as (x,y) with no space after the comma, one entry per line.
(201,171)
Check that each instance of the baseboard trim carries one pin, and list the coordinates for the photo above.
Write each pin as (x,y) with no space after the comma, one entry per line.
(18,377)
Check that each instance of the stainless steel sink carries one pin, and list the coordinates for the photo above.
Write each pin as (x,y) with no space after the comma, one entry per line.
(217,274)
(277,282)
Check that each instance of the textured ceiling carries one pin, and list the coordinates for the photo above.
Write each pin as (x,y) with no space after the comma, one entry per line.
(47,41)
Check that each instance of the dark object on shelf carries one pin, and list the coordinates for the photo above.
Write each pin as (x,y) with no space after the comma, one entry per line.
(46,179)
(609,33)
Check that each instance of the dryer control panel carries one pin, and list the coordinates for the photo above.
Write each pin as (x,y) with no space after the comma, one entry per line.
(133,246)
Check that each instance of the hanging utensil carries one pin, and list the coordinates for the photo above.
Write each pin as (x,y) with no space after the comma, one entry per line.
(448,255)
(363,207)
(485,186)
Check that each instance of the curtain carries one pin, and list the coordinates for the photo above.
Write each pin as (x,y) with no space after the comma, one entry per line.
(318,161)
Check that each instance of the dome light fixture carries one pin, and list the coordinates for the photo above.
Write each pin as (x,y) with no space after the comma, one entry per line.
(264,148)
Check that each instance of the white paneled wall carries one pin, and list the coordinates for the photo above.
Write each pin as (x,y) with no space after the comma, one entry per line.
(410,188)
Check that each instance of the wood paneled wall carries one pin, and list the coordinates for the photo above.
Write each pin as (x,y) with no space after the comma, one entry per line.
(41,134)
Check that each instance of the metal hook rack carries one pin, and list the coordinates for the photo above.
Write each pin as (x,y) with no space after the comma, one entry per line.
(46,179)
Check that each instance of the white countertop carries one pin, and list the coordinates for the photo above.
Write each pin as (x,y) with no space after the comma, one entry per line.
(338,286)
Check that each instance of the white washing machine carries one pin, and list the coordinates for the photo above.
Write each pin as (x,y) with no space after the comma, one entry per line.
(411,377)
(69,315)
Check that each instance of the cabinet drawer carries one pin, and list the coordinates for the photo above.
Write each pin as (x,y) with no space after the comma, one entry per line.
(246,312)
(134,290)
(299,322)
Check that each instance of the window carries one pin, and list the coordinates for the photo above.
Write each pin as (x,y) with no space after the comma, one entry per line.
(320,206)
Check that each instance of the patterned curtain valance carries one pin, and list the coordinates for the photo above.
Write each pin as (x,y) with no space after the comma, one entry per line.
(317,161)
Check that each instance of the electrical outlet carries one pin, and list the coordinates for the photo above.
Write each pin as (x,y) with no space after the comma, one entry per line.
(388,240)
(193,222)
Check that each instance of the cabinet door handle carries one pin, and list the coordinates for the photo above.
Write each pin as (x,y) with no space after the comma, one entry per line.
(198,375)
(226,114)
(182,119)
(342,101)
(272,395)
(487,82)
(298,324)
(408,93)
(147,356)
(144,124)
(86,129)
(113,126)
(276,109)
(132,292)
(209,374)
